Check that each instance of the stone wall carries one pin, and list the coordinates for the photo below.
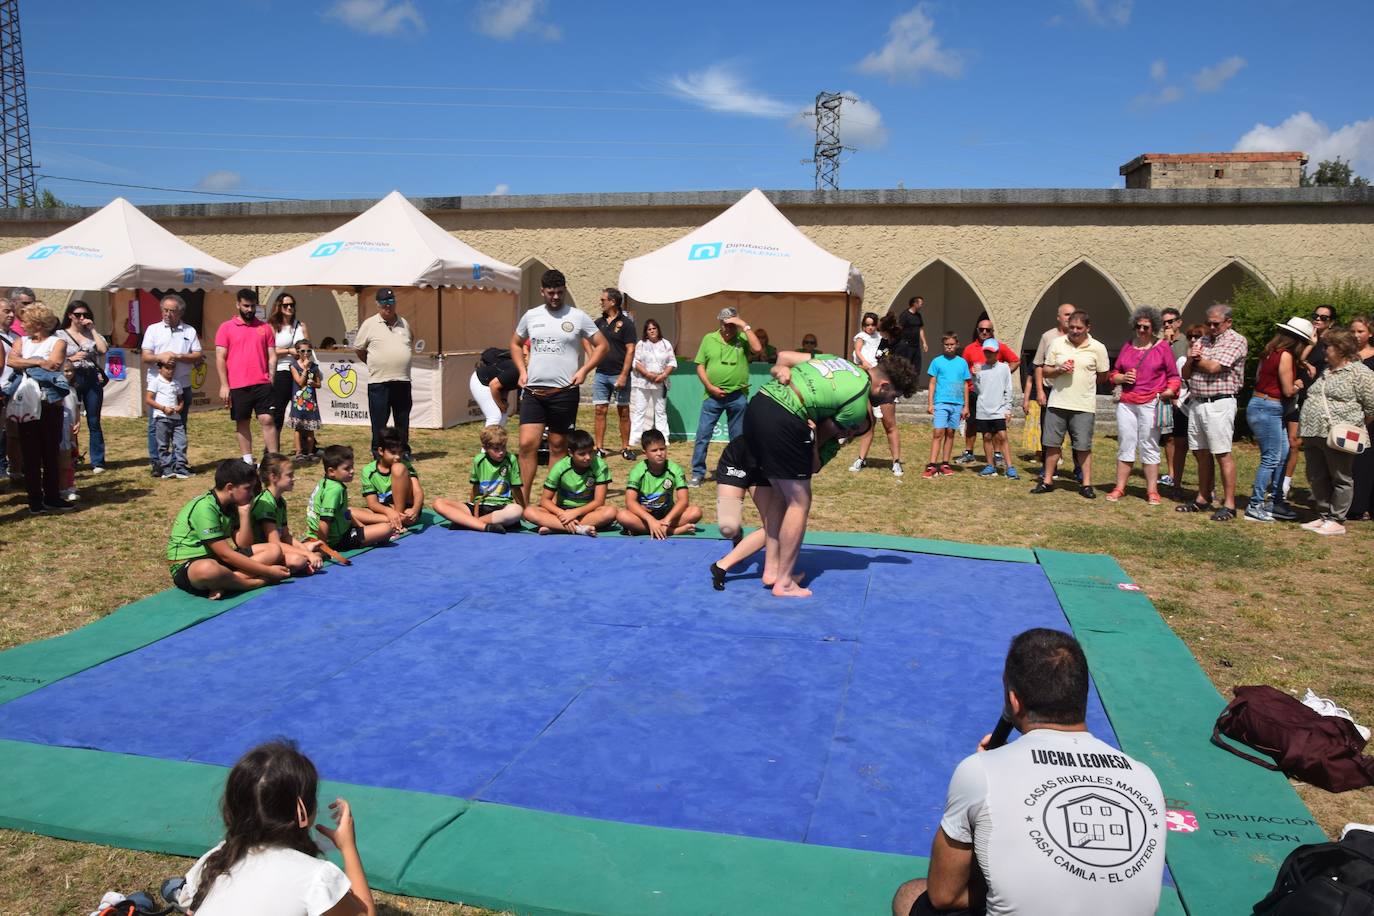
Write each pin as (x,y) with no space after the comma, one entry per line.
(1011,247)
(1215,170)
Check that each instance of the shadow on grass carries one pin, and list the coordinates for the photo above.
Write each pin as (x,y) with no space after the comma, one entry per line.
(1226,546)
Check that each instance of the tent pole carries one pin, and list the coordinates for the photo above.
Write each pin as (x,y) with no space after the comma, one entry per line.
(846,318)
(439,299)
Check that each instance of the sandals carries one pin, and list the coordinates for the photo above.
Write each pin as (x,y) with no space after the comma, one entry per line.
(1152,498)
(1115,494)
(1223,515)
(1194,507)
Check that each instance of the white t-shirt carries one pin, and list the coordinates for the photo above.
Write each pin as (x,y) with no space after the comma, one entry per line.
(287,337)
(161,339)
(654,358)
(32,349)
(166,393)
(867,345)
(1062,824)
(275,881)
(555,344)
(994,388)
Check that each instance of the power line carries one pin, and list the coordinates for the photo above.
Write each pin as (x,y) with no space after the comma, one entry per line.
(414,103)
(613,141)
(392,154)
(148,187)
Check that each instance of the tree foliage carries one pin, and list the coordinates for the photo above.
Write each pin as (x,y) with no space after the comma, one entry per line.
(1256,310)
(1333,173)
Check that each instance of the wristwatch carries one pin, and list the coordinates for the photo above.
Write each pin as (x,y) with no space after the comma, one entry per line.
(748,327)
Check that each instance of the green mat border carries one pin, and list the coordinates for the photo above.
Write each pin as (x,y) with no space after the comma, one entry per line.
(502,857)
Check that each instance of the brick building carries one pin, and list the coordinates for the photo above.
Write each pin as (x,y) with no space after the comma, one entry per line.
(1215,170)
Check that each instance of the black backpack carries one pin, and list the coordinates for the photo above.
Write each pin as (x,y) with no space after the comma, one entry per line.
(1325,879)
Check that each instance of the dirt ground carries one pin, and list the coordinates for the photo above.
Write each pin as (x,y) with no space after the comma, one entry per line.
(1256,604)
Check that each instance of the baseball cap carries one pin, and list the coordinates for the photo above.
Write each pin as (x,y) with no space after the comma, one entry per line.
(386,295)
(727,313)
(992,344)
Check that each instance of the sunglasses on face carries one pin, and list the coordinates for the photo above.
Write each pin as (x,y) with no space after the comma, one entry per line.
(1317,317)
(1213,324)
(288,305)
(985,330)
(81,314)
(1144,327)
(387,304)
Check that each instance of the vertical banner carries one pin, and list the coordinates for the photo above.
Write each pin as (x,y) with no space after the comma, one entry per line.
(343,399)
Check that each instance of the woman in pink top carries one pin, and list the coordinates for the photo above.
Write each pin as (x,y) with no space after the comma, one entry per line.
(1149,380)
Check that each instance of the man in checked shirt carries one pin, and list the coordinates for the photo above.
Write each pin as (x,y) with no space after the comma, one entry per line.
(1215,369)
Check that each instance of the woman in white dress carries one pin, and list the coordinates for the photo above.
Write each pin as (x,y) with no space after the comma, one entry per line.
(654,362)
(288,331)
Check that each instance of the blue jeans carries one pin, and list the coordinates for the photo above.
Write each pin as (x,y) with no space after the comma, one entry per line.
(170,433)
(1266,423)
(153,458)
(92,398)
(732,406)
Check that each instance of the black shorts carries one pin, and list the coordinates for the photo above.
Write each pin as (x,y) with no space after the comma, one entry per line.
(249,402)
(182,580)
(923,907)
(1180,423)
(782,443)
(737,467)
(556,411)
(352,540)
(485,508)
(660,513)
(991,426)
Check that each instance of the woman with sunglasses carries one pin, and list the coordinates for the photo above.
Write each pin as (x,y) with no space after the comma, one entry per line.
(871,344)
(289,331)
(86,349)
(1311,362)
(1275,389)
(1149,380)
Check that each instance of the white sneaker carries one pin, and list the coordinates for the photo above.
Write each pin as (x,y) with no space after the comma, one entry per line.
(1346,829)
(69,496)
(858,465)
(1330,527)
(1312,525)
(897,469)
(182,475)
(99,470)
(248,460)
(1329,708)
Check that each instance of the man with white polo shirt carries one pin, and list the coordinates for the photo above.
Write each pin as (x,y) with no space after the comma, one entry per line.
(550,377)
(170,340)
(1056,823)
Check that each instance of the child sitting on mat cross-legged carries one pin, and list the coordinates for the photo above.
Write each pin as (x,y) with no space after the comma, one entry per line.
(205,560)
(574,496)
(498,502)
(328,518)
(391,485)
(657,501)
(267,519)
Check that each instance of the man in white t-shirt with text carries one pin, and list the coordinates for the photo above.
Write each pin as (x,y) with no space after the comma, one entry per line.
(1057,823)
(174,341)
(550,377)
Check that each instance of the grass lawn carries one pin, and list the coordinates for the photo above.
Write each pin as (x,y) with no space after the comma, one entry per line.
(1256,604)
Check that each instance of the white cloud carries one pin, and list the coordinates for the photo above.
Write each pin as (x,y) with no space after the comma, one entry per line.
(220,180)
(1113,14)
(719,88)
(1158,71)
(1164,95)
(861,123)
(506,19)
(1301,132)
(378,17)
(912,49)
(500,190)
(1210,79)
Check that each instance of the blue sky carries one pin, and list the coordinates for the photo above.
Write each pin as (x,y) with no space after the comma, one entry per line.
(352,98)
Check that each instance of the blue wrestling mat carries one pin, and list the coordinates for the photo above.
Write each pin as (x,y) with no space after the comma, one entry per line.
(597,677)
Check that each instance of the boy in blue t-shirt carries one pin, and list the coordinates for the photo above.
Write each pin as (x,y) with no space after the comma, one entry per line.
(947,401)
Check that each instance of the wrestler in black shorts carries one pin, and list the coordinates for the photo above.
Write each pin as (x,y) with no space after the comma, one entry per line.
(250,401)
(783,444)
(737,467)
(555,408)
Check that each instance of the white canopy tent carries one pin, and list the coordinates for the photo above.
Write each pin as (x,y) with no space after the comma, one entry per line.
(115,248)
(752,257)
(394,244)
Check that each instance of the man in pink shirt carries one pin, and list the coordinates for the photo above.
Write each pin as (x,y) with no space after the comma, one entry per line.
(245,354)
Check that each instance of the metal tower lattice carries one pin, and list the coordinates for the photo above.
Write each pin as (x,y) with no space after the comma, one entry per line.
(828,146)
(20,188)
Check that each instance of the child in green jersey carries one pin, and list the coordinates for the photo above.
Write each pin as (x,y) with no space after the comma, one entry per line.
(497,501)
(204,558)
(391,485)
(327,517)
(266,521)
(574,497)
(656,498)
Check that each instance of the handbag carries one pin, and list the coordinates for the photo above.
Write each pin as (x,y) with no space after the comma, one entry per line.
(1325,751)
(1343,437)
(26,404)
